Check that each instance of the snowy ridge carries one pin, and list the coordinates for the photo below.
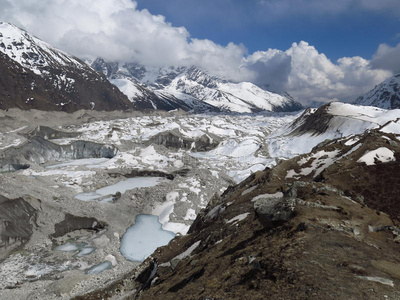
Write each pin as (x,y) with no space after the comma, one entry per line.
(194,89)
(385,95)
(32,53)
(331,121)
(243,97)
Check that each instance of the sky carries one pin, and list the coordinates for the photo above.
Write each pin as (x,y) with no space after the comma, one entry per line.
(317,50)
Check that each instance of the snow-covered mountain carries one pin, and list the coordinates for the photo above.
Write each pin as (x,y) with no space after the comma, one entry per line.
(331,121)
(36,75)
(191,87)
(385,95)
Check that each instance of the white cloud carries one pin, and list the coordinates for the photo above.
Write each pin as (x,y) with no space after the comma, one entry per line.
(117,31)
(387,57)
(312,77)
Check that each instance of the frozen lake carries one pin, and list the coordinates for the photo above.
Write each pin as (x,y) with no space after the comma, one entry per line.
(121,186)
(143,238)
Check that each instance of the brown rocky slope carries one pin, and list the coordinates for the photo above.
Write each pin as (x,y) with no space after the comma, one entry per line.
(320,226)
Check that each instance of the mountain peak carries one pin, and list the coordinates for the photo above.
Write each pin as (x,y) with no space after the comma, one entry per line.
(385,95)
(31,52)
(34,74)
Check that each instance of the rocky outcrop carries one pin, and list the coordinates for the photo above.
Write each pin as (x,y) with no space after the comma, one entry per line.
(313,122)
(71,223)
(17,220)
(273,211)
(39,150)
(175,140)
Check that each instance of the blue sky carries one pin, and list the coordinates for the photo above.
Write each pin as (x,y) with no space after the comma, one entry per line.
(353,30)
(317,50)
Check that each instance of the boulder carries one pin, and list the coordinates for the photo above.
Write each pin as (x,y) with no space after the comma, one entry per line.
(274,211)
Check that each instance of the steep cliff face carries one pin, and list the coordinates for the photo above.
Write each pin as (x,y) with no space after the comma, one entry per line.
(39,150)
(36,75)
(298,231)
(17,220)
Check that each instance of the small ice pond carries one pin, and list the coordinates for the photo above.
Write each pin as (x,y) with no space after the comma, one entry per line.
(144,237)
(106,265)
(81,247)
(121,186)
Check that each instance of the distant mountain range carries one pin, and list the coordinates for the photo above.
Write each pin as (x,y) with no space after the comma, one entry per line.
(33,74)
(36,75)
(190,88)
(385,95)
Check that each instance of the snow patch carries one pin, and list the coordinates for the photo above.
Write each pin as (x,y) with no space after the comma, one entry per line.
(381,154)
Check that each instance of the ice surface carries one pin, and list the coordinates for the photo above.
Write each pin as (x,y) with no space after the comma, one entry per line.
(238,218)
(68,247)
(249,190)
(121,186)
(144,237)
(188,251)
(267,196)
(106,265)
(377,279)
(86,251)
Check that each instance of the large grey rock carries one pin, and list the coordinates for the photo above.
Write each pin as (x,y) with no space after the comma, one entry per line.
(274,211)
(72,223)
(175,140)
(17,218)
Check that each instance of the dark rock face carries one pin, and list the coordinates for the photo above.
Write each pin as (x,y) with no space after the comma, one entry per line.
(274,211)
(17,219)
(72,223)
(316,123)
(175,140)
(38,150)
(21,88)
(145,173)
